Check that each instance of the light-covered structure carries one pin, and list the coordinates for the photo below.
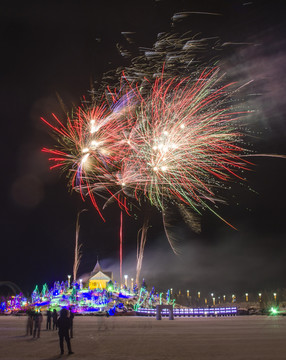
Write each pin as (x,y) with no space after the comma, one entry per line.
(99,278)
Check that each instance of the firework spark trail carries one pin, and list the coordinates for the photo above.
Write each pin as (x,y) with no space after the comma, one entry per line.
(184,142)
(141,246)
(181,54)
(120,245)
(179,143)
(91,146)
(77,249)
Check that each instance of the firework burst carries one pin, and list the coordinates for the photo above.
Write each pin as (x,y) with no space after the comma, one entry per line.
(184,143)
(177,144)
(90,147)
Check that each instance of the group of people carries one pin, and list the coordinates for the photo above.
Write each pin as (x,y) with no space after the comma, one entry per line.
(63,323)
(34,322)
(52,315)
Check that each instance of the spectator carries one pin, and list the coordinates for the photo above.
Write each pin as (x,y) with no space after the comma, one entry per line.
(29,328)
(71,316)
(64,328)
(38,318)
(55,319)
(49,319)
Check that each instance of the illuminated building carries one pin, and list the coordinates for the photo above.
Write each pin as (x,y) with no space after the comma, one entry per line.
(99,278)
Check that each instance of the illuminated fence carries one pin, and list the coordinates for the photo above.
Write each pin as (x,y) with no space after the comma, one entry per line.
(190,312)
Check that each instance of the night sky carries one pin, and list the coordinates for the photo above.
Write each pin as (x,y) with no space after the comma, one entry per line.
(51,49)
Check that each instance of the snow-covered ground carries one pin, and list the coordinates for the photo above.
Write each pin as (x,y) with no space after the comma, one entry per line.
(129,338)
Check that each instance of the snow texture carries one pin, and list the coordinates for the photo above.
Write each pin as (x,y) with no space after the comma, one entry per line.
(140,338)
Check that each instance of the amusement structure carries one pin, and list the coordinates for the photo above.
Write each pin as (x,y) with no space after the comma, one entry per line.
(97,294)
(93,293)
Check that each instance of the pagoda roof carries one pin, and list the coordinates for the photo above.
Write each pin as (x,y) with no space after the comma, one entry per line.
(97,267)
(100,276)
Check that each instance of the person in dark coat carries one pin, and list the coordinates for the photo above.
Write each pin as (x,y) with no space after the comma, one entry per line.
(49,319)
(29,328)
(71,316)
(64,328)
(55,319)
(38,318)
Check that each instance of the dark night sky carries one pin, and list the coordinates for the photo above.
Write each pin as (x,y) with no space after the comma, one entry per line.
(52,47)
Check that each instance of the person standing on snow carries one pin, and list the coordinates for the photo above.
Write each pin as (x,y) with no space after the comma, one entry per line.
(29,327)
(71,316)
(38,318)
(64,324)
(49,319)
(55,319)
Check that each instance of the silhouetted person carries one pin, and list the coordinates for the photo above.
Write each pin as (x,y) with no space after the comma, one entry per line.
(55,319)
(38,318)
(64,328)
(29,328)
(71,316)
(49,319)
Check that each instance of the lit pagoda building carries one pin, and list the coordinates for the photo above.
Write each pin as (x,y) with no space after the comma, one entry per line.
(99,278)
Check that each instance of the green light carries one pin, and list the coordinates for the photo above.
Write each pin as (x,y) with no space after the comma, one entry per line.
(274,311)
